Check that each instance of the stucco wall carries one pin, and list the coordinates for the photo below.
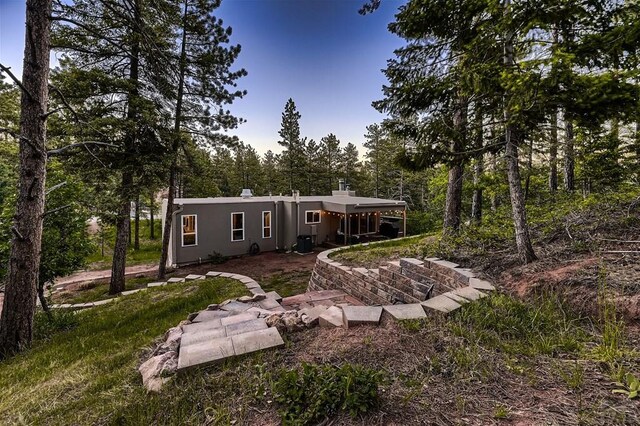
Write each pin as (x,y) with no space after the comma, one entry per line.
(214,230)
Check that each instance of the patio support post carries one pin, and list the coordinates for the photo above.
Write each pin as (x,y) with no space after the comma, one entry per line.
(404,222)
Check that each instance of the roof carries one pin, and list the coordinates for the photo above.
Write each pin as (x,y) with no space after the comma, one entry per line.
(342,200)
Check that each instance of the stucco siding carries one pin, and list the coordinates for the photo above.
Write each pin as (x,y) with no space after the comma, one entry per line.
(213,223)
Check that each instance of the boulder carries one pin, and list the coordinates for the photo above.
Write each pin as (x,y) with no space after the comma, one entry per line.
(156,371)
(213,307)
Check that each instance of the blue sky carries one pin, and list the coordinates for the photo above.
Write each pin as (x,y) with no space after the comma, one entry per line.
(321,53)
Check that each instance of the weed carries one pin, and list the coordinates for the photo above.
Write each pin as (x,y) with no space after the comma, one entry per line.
(58,320)
(517,327)
(501,412)
(630,386)
(611,349)
(319,391)
(413,325)
(573,377)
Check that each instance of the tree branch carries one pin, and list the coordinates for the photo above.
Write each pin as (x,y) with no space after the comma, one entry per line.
(7,70)
(60,151)
(54,187)
(57,209)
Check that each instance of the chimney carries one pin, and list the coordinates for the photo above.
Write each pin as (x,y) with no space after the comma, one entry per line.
(246,194)
(341,185)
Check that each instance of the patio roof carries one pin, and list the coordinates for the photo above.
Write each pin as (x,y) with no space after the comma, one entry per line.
(334,203)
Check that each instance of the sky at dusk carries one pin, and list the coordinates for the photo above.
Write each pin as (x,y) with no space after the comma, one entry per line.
(321,53)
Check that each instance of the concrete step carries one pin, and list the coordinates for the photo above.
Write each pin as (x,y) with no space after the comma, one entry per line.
(455,297)
(359,315)
(469,293)
(198,336)
(218,349)
(405,312)
(331,318)
(441,304)
(479,284)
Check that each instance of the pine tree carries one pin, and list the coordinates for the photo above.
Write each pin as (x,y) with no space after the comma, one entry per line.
(16,321)
(292,157)
(330,158)
(205,82)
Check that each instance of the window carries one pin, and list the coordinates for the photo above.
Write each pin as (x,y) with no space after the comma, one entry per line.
(237,226)
(189,230)
(266,224)
(312,216)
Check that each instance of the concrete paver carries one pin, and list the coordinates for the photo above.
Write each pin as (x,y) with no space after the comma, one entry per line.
(440,303)
(404,312)
(356,315)
(256,341)
(331,318)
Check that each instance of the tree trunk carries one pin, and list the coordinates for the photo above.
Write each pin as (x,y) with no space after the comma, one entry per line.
(523,240)
(123,221)
(476,202)
(168,218)
(16,322)
(136,225)
(453,204)
(152,225)
(527,183)
(569,157)
(123,232)
(553,154)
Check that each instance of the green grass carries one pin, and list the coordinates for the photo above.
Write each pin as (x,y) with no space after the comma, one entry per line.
(376,253)
(149,251)
(92,292)
(287,283)
(84,375)
(516,327)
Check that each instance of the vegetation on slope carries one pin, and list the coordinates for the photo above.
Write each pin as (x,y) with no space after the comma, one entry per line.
(88,371)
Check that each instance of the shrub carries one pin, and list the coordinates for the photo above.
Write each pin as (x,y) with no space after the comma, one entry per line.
(319,391)
(45,326)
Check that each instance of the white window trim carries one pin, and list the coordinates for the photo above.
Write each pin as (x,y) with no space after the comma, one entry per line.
(232,229)
(265,227)
(182,230)
(314,211)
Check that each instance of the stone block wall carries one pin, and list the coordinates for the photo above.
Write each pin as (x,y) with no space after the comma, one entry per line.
(406,280)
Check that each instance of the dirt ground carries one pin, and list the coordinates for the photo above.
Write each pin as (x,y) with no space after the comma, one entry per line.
(257,267)
(264,267)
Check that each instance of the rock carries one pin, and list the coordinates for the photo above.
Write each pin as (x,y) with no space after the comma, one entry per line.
(288,320)
(156,370)
(258,297)
(213,307)
(192,316)
(245,299)
(183,322)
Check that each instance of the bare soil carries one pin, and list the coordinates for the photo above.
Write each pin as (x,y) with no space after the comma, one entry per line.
(292,269)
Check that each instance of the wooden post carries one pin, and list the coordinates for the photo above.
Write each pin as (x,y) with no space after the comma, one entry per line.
(404,222)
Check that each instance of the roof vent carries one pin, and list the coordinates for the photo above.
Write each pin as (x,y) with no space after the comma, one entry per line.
(246,193)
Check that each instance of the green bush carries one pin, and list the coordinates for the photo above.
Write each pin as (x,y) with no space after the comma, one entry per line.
(45,326)
(319,391)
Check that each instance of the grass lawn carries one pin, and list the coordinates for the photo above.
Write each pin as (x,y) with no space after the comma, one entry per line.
(91,292)
(287,283)
(149,251)
(374,255)
(84,375)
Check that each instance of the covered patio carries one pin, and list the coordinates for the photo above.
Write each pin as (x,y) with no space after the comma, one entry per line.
(364,221)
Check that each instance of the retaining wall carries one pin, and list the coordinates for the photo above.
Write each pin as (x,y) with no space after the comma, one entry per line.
(407,280)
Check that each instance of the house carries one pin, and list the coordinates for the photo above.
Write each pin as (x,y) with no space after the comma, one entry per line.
(233,226)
